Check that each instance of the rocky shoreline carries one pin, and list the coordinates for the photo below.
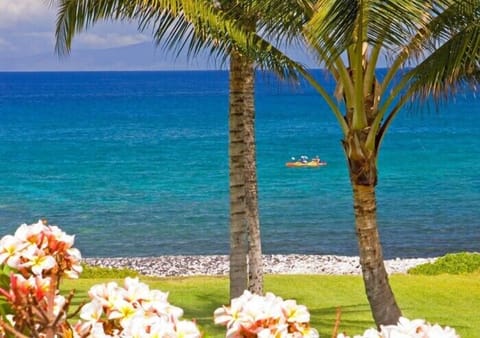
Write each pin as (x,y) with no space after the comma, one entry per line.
(167,266)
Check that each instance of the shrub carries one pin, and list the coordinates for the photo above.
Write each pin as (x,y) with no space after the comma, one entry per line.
(456,263)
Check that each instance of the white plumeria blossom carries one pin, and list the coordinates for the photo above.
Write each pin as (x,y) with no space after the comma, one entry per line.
(35,248)
(29,233)
(123,311)
(135,311)
(59,303)
(186,329)
(92,312)
(266,317)
(416,328)
(38,261)
(9,245)
(294,312)
(136,291)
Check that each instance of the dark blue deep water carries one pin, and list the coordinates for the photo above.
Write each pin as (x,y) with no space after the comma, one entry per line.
(136,164)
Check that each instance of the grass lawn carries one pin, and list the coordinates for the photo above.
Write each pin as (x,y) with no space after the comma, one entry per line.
(452,300)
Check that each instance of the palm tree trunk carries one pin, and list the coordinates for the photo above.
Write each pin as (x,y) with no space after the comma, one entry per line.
(363,177)
(238,228)
(255,264)
(379,293)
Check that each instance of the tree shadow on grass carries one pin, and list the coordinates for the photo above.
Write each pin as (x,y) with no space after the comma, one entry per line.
(354,319)
(203,315)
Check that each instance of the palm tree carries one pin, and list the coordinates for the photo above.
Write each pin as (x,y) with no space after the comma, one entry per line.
(200,24)
(439,39)
(432,48)
(246,270)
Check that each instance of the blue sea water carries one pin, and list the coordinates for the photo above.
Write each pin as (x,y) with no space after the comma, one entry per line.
(136,164)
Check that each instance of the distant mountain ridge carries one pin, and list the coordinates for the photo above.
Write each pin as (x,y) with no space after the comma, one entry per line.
(141,56)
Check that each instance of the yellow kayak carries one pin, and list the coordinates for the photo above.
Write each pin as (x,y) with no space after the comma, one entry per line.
(308,164)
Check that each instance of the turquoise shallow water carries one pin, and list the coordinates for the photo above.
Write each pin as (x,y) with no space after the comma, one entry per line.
(135,164)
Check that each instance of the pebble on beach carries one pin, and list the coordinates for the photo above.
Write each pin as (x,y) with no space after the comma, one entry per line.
(166,266)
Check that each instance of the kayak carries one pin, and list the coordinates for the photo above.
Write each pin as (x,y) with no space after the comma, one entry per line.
(309,164)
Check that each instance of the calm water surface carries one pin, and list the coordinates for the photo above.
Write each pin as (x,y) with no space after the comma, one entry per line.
(136,164)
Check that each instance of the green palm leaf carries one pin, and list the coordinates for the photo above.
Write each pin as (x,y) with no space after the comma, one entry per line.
(454,53)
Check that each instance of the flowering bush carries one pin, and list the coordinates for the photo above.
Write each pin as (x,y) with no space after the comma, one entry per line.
(131,311)
(417,328)
(255,316)
(35,258)
(41,250)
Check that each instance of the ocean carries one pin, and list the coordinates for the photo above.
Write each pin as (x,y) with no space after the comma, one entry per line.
(136,164)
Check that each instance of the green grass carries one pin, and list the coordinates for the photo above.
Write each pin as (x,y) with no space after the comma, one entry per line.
(451,300)
(455,263)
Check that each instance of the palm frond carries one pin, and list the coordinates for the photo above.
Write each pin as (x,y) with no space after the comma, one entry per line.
(337,25)
(282,21)
(453,65)
(446,55)
(330,29)
(178,22)
(191,25)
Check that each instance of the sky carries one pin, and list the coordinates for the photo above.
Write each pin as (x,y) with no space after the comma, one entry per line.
(27,28)
(27,43)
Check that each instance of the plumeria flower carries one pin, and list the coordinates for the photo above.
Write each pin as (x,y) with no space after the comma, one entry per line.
(294,312)
(9,247)
(72,260)
(91,312)
(270,316)
(36,248)
(58,240)
(187,329)
(32,234)
(38,261)
(133,311)
(97,331)
(170,311)
(41,285)
(136,291)
(371,333)
(157,303)
(309,332)
(107,294)
(229,316)
(436,331)
(123,311)
(149,328)
(59,303)
(406,326)
(417,328)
